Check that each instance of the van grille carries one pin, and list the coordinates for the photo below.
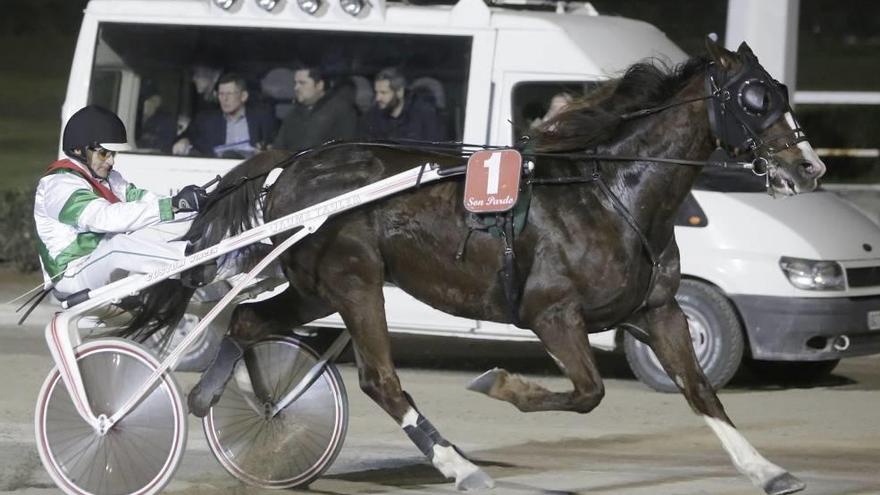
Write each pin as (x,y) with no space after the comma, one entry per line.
(863,277)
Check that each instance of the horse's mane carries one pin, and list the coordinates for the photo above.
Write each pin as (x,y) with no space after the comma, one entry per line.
(596,118)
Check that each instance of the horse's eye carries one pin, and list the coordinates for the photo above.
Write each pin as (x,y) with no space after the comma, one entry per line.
(754,97)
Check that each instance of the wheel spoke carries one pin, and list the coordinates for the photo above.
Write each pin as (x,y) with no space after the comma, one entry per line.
(297,444)
(136,451)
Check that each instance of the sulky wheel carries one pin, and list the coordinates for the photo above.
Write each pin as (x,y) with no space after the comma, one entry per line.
(293,447)
(140,453)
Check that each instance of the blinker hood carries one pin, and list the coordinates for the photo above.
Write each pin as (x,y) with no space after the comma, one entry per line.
(749,101)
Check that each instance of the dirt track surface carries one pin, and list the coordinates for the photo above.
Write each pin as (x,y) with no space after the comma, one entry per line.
(636,442)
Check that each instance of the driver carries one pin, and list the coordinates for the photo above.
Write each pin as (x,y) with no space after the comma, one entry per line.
(91,222)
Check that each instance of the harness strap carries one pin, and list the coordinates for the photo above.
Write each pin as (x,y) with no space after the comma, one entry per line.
(624,212)
(650,111)
(508,274)
(98,187)
(622,158)
(462,247)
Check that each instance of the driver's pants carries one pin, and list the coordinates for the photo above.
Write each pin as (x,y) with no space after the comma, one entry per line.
(118,255)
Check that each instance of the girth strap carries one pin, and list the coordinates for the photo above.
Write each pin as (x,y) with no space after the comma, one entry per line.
(505,226)
(508,274)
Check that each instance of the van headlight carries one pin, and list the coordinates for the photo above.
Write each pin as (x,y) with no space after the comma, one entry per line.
(813,274)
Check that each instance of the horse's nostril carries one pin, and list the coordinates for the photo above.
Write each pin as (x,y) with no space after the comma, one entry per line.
(810,169)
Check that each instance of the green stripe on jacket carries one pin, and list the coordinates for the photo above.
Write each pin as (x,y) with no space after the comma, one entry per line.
(132,193)
(75,205)
(83,245)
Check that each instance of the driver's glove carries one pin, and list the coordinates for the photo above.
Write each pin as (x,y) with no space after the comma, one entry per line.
(190,198)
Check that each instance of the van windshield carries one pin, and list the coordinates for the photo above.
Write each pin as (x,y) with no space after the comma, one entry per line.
(164,82)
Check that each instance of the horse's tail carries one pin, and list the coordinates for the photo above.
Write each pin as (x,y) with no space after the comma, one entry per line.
(230,210)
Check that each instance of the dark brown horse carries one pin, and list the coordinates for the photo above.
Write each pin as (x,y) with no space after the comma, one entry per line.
(593,254)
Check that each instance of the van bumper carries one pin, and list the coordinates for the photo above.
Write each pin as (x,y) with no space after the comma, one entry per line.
(806,329)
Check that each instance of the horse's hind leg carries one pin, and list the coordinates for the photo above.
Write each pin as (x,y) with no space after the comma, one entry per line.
(670,340)
(562,331)
(362,306)
(250,322)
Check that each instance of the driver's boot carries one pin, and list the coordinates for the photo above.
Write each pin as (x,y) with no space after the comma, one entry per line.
(207,392)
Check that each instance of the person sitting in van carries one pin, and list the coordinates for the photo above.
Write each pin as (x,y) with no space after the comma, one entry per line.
(234,130)
(398,114)
(318,114)
(92,224)
(557,104)
(157,128)
(204,82)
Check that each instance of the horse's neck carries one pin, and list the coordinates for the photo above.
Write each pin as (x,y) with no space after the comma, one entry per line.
(653,192)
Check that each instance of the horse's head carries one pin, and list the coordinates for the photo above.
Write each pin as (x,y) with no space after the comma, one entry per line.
(750,113)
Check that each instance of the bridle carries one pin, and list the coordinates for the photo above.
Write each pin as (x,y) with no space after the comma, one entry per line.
(743,105)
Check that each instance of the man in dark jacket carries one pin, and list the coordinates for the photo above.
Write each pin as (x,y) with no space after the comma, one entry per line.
(398,115)
(317,116)
(233,130)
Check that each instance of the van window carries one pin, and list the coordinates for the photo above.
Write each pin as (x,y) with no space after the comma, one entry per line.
(159,78)
(535,101)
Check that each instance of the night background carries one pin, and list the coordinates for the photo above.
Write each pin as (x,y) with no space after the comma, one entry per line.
(839,50)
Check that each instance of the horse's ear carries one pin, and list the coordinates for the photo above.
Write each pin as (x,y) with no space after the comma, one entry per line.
(745,49)
(719,54)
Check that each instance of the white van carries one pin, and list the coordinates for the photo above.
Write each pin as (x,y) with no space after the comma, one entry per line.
(763,278)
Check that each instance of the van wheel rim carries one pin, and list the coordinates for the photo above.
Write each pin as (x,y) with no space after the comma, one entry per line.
(701,339)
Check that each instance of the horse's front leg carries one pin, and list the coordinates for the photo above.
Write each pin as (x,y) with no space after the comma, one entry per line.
(670,340)
(562,330)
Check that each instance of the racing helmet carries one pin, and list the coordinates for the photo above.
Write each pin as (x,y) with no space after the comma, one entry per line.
(93,126)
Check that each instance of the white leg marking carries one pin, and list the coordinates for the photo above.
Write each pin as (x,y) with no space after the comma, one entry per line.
(452,464)
(410,418)
(746,459)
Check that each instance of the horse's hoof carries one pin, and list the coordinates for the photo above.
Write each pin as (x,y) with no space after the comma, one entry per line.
(478,480)
(784,483)
(207,392)
(484,383)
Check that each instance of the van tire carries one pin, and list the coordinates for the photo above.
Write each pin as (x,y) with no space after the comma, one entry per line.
(715,329)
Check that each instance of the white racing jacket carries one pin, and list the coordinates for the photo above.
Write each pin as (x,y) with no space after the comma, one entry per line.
(74,211)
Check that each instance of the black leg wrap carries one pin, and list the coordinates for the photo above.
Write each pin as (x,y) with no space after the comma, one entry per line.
(423,434)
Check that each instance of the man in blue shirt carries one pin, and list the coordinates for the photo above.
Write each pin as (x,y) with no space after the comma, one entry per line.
(234,130)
